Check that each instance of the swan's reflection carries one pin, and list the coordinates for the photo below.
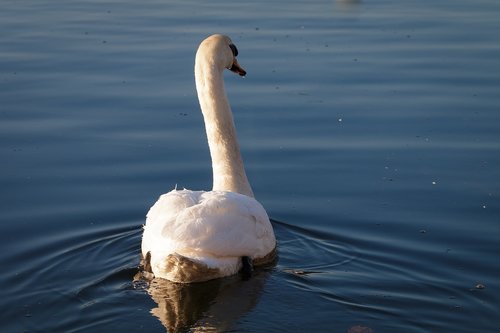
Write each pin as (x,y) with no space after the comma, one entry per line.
(212,306)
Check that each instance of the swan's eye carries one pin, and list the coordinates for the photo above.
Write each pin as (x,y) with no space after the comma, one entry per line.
(234,49)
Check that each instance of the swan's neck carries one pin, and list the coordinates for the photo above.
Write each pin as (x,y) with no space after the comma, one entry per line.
(227,164)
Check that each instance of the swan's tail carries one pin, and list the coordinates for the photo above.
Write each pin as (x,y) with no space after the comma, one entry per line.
(178,268)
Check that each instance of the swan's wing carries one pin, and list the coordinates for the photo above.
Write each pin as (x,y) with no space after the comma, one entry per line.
(216,223)
(163,213)
(224,224)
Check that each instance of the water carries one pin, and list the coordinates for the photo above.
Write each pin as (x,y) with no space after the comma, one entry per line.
(370,132)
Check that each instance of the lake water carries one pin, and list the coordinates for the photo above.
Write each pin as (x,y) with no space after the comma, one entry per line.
(370,132)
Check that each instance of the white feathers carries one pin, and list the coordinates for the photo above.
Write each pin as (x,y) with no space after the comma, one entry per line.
(213,224)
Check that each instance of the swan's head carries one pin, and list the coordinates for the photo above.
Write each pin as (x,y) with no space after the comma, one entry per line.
(220,50)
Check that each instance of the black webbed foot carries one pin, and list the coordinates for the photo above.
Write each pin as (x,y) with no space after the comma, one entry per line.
(247,267)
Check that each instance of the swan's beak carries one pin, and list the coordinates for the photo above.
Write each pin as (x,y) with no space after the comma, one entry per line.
(236,68)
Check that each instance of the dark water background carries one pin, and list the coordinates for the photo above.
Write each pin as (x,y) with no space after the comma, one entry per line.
(370,132)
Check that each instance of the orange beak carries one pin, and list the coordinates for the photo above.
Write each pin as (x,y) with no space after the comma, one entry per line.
(236,68)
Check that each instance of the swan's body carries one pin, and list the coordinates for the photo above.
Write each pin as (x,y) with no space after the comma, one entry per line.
(192,236)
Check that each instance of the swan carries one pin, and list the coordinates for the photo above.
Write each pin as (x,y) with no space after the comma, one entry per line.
(193,236)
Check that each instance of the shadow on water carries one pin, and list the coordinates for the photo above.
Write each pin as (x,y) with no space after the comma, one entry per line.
(211,306)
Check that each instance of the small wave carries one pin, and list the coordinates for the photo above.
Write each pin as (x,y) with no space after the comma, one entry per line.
(305,251)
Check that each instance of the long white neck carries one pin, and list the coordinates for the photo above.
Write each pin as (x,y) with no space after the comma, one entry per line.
(227,164)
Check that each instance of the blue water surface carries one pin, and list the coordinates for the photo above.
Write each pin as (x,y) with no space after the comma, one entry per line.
(370,132)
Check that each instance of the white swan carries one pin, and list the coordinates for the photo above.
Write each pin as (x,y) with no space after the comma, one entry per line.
(193,236)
